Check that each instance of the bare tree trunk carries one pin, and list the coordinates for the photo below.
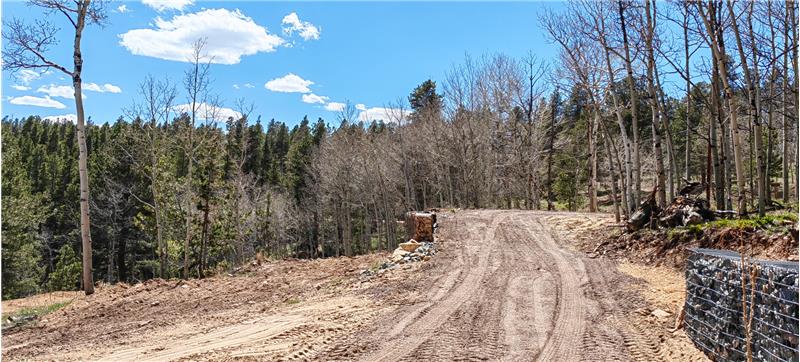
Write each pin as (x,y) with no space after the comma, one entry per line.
(687,173)
(715,149)
(550,145)
(654,108)
(606,141)
(592,139)
(637,165)
(619,167)
(83,172)
(204,241)
(162,248)
(627,194)
(672,170)
(791,10)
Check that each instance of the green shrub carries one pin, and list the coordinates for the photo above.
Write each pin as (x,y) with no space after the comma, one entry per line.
(67,273)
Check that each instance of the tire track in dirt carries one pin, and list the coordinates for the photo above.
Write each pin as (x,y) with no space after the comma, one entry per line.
(409,336)
(570,274)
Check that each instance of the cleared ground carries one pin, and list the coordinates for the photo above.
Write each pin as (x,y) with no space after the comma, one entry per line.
(505,285)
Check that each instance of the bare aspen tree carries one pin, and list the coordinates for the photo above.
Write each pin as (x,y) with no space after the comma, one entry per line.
(154,110)
(637,164)
(196,81)
(719,51)
(752,81)
(791,10)
(786,118)
(598,12)
(27,47)
(687,174)
(655,109)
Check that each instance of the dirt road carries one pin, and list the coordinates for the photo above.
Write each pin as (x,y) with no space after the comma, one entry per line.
(505,286)
(512,289)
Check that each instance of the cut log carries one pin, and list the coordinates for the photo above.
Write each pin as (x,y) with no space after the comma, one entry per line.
(419,226)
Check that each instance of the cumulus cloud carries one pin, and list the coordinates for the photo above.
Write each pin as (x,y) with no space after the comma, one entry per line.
(306,30)
(209,113)
(37,102)
(389,115)
(122,9)
(289,83)
(235,86)
(162,5)
(313,98)
(229,35)
(361,107)
(334,106)
(63,91)
(20,87)
(64,118)
(248,85)
(94,87)
(26,76)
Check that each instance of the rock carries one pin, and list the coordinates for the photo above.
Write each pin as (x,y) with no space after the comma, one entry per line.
(426,257)
(660,313)
(398,254)
(410,246)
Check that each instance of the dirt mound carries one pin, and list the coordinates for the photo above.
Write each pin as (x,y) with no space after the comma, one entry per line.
(133,315)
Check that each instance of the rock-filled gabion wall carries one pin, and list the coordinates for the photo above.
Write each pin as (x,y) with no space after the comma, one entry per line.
(714,307)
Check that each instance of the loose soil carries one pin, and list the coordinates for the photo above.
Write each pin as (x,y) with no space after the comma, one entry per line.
(507,285)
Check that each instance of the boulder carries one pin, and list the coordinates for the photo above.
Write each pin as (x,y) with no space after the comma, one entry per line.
(398,254)
(410,246)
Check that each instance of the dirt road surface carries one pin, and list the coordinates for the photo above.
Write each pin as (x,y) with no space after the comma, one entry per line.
(506,285)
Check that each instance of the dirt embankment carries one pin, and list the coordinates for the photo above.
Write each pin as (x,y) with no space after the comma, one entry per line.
(669,247)
(504,285)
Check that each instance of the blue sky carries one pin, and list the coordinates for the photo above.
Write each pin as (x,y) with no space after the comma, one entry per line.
(367,53)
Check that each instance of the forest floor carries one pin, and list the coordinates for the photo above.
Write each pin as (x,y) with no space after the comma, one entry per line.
(509,285)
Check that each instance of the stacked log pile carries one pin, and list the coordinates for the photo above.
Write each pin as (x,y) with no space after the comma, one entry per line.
(686,209)
(420,225)
(713,307)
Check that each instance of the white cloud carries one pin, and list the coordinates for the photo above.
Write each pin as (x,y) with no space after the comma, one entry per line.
(210,113)
(20,87)
(334,106)
(161,5)
(37,102)
(305,29)
(26,76)
(389,115)
(248,85)
(235,86)
(289,83)
(229,34)
(110,88)
(94,87)
(63,91)
(313,98)
(64,118)
(122,9)
(361,107)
